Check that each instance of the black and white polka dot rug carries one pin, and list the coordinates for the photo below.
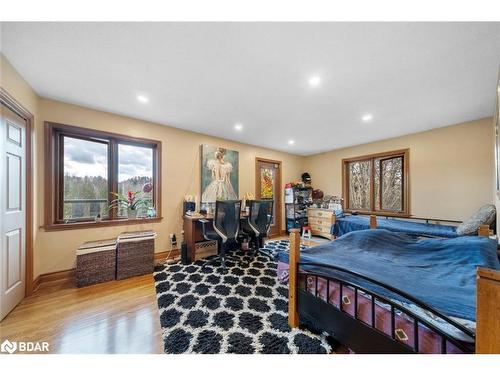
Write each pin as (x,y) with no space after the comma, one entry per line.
(243,311)
(273,247)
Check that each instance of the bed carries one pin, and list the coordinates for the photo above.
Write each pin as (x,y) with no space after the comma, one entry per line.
(377,291)
(350,223)
(481,220)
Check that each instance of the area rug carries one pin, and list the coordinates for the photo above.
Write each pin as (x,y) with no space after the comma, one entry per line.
(244,311)
(273,247)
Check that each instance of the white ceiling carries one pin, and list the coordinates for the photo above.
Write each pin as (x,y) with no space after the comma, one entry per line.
(206,77)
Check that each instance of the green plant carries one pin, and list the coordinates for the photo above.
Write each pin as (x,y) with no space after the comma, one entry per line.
(133,200)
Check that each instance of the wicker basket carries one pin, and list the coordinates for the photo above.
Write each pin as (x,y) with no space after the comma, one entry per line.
(205,249)
(135,254)
(95,262)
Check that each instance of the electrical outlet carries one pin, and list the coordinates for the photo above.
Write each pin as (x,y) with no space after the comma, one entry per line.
(173,241)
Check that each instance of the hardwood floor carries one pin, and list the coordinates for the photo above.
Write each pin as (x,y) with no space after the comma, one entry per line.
(113,317)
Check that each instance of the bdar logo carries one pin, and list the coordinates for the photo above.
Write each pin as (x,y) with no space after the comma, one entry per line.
(24,346)
(8,347)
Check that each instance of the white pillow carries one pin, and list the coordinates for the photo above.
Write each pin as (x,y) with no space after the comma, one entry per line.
(485,216)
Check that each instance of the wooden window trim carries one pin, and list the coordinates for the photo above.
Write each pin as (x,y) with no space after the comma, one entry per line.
(405,153)
(53,191)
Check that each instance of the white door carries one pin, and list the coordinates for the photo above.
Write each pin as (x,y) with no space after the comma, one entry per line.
(12,210)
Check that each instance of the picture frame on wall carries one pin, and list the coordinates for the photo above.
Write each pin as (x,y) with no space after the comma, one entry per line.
(219,174)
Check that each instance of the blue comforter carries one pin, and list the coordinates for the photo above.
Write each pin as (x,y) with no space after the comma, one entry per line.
(352,223)
(439,272)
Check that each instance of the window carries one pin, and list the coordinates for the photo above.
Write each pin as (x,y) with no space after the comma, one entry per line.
(85,168)
(377,183)
(360,175)
(135,170)
(85,173)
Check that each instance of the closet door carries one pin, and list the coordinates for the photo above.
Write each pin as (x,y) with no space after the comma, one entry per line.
(12,210)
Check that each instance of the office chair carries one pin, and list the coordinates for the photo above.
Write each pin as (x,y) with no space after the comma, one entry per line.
(226,225)
(258,224)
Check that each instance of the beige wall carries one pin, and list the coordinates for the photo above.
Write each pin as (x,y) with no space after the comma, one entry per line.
(16,86)
(496,123)
(55,251)
(180,176)
(451,168)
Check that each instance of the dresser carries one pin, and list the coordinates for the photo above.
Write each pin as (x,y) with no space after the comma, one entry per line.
(488,311)
(320,220)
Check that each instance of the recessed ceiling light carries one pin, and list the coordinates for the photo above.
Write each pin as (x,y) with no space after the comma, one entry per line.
(314,81)
(142,98)
(238,126)
(291,142)
(367,117)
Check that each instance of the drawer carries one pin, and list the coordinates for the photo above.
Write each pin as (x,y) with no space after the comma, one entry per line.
(327,221)
(319,213)
(322,234)
(320,228)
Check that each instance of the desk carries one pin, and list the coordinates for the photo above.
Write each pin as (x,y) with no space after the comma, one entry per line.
(193,232)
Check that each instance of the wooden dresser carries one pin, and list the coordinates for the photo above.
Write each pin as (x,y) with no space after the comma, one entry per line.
(320,220)
(488,312)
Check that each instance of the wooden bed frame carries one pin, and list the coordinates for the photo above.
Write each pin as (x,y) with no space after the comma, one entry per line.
(484,230)
(306,307)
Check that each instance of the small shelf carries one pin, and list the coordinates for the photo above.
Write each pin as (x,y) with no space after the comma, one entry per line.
(295,210)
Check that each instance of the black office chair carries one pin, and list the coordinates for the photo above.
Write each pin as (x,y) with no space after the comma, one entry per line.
(258,224)
(226,226)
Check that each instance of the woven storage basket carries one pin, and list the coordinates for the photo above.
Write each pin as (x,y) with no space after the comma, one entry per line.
(205,249)
(95,262)
(135,254)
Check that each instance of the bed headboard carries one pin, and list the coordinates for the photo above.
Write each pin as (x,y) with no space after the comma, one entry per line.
(484,231)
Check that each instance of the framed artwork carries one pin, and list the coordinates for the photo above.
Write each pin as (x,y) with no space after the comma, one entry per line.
(266,183)
(219,174)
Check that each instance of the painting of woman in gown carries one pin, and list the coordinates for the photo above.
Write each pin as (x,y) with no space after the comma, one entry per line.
(219,179)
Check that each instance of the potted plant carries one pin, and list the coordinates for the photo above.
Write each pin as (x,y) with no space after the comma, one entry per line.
(131,201)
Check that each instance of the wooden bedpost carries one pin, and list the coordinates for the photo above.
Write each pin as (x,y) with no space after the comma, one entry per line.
(293,259)
(484,230)
(488,311)
(373,222)
(334,220)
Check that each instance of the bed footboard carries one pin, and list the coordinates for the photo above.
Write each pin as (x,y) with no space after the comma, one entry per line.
(363,320)
(293,314)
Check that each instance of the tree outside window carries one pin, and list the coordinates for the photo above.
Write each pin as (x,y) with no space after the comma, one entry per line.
(377,183)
